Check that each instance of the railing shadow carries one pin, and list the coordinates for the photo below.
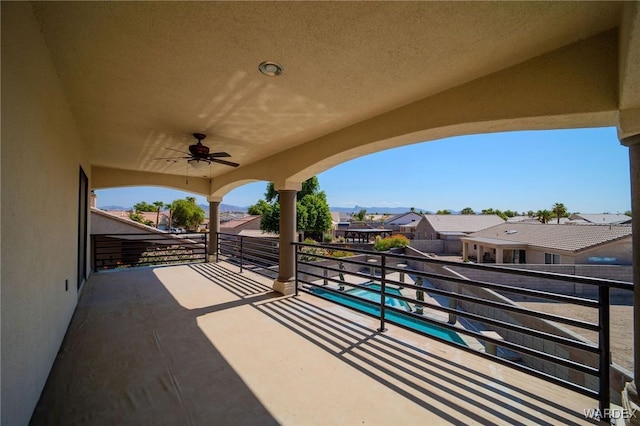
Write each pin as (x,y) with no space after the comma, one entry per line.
(453,391)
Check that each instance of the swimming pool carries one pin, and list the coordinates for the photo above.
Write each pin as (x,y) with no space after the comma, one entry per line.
(369,304)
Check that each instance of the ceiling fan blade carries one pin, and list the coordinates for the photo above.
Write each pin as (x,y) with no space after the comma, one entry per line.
(171,158)
(219,154)
(181,152)
(228,163)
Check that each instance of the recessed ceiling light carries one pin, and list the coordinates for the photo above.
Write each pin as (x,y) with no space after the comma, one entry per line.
(270,69)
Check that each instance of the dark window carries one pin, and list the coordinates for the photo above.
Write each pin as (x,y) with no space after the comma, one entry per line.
(83,212)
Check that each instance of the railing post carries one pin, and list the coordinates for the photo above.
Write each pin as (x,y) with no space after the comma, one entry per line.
(296,249)
(218,241)
(383,291)
(604,322)
(241,253)
(206,249)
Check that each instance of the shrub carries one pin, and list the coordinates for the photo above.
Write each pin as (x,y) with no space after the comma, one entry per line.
(384,244)
(340,253)
(309,252)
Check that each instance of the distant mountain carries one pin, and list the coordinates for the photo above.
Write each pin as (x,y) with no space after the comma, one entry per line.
(114,208)
(225,208)
(380,210)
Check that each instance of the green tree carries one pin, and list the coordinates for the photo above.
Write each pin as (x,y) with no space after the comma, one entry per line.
(467,210)
(137,217)
(443,212)
(312,210)
(628,213)
(143,206)
(488,211)
(309,186)
(259,208)
(559,210)
(186,213)
(360,215)
(544,216)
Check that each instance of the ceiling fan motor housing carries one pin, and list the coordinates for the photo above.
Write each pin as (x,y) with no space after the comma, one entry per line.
(198,150)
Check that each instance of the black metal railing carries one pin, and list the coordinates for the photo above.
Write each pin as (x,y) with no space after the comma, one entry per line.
(112,251)
(257,254)
(481,312)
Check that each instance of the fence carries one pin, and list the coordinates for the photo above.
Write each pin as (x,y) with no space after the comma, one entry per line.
(111,251)
(260,255)
(425,295)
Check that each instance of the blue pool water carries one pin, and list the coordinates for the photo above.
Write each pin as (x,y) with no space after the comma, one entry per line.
(369,304)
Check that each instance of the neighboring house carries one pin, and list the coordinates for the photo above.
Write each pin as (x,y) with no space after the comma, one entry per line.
(111,232)
(453,226)
(395,222)
(404,224)
(599,219)
(336,217)
(241,226)
(150,216)
(550,244)
(117,222)
(409,230)
(525,219)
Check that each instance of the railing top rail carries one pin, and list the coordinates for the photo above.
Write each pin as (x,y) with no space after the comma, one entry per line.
(149,234)
(481,266)
(268,237)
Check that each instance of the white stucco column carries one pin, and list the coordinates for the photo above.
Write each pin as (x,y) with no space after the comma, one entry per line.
(285,283)
(465,251)
(480,253)
(214,226)
(633,143)
(499,255)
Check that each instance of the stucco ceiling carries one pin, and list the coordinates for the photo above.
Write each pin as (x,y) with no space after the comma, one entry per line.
(142,76)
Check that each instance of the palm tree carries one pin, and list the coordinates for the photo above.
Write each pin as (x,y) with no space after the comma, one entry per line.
(544,215)
(159,205)
(560,210)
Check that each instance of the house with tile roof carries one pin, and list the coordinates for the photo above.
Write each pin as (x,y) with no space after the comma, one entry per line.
(148,216)
(453,226)
(402,219)
(599,219)
(248,226)
(550,244)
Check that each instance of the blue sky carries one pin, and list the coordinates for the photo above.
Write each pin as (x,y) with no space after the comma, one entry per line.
(586,169)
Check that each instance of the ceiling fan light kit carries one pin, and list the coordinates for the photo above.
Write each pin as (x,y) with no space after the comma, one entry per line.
(199,155)
(198,163)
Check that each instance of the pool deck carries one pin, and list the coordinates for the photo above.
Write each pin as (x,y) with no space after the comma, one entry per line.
(205,345)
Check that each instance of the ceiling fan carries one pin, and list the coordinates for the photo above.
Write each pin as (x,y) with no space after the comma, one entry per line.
(199,155)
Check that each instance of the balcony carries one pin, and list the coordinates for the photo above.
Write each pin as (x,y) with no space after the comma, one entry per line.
(208,344)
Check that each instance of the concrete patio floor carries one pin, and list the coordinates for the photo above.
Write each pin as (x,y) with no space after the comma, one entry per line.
(204,345)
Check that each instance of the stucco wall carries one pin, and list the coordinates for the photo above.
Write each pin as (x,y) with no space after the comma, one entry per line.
(41,157)
(622,250)
(101,224)
(424,231)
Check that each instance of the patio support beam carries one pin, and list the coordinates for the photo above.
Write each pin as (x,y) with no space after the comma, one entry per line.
(214,226)
(633,142)
(285,283)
